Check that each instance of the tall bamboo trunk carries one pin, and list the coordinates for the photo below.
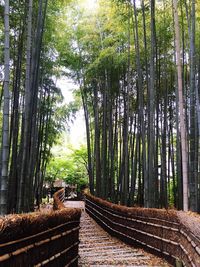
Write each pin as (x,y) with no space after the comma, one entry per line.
(89,152)
(151,115)
(181,110)
(140,89)
(97,143)
(26,132)
(37,77)
(104,178)
(6,107)
(144,153)
(193,164)
(15,125)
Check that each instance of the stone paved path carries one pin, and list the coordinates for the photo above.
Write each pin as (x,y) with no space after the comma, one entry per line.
(97,248)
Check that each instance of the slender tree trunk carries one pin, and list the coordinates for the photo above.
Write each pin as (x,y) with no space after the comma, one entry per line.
(104,183)
(87,125)
(36,80)
(133,158)
(120,161)
(25,154)
(141,119)
(97,143)
(197,93)
(115,156)
(172,153)
(151,118)
(144,153)
(6,107)
(163,193)
(193,164)
(14,174)
(126,123)
(112,126)
(181,110)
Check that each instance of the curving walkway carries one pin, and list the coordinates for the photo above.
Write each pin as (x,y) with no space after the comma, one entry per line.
(98,248)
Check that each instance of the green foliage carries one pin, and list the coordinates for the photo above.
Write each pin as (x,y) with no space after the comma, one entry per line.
(72,168)
(93,41)
(73,107)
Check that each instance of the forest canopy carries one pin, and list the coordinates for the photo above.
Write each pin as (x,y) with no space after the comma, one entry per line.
(137,66)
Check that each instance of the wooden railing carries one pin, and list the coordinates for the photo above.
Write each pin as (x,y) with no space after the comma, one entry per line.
(159,232)
(48,239)
(59,198)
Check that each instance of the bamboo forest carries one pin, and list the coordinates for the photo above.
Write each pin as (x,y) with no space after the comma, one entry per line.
(136,67)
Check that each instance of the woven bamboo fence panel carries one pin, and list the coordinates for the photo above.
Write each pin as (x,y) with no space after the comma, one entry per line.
(41,239)
(158,231)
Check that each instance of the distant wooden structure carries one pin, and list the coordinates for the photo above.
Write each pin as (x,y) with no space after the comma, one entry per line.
(51,188)
(59,184)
